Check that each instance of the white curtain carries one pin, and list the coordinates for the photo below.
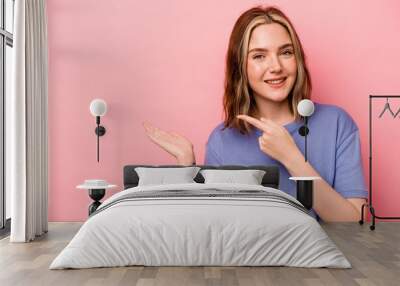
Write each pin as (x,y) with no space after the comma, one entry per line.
(26,123)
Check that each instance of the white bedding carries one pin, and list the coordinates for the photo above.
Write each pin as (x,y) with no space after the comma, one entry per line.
(182,231)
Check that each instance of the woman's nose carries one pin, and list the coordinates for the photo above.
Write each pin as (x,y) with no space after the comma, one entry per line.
(274,64)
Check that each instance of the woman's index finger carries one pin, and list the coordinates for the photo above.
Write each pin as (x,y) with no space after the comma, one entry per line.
(253,121)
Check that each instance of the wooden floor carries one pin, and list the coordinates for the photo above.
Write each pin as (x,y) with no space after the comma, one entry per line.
(374,255)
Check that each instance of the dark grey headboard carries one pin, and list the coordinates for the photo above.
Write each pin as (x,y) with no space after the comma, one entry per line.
(270,179)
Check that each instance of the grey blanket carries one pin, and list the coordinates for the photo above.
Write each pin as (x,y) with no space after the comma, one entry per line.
(198,224)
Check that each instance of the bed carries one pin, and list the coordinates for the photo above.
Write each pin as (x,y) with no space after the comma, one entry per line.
(201,224)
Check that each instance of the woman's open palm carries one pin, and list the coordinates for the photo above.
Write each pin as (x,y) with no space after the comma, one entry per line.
(175,144)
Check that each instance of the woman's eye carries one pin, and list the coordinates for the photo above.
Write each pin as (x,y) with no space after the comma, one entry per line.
(257,57)
(287,53)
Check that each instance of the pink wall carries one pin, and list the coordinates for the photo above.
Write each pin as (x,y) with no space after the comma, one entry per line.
(164,63)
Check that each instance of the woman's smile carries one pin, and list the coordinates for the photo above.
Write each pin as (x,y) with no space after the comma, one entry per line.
(276,83)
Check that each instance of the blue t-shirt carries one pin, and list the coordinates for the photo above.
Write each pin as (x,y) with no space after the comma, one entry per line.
(333,149)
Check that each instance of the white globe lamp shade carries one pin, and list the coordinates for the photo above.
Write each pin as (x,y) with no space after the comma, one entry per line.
(98,107)
(305,107)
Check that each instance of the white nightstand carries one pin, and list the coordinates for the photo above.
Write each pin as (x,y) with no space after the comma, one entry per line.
(97,190)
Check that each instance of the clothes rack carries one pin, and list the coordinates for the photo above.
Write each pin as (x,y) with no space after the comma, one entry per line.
(369,204)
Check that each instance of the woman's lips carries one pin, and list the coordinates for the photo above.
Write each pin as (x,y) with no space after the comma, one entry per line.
(276,83)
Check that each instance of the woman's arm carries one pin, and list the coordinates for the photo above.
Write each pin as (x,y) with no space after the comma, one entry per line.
(328,203)
(279,144)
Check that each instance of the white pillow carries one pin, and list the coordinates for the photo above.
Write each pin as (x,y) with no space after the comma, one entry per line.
(249,177)
(162,176)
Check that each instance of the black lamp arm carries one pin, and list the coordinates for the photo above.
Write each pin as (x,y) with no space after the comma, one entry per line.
(100,131)
(305,137)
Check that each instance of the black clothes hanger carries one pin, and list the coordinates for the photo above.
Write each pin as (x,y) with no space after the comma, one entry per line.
(398,111)
(387,107)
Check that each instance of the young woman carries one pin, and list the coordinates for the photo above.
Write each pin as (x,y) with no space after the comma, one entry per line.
(266,77)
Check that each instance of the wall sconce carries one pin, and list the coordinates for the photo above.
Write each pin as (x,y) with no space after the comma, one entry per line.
(304,185)
(98,108)
(305,109)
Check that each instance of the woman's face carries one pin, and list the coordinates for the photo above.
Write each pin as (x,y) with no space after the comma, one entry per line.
(271,63)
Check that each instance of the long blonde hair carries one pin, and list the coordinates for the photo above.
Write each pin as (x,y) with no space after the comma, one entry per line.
(238,96)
